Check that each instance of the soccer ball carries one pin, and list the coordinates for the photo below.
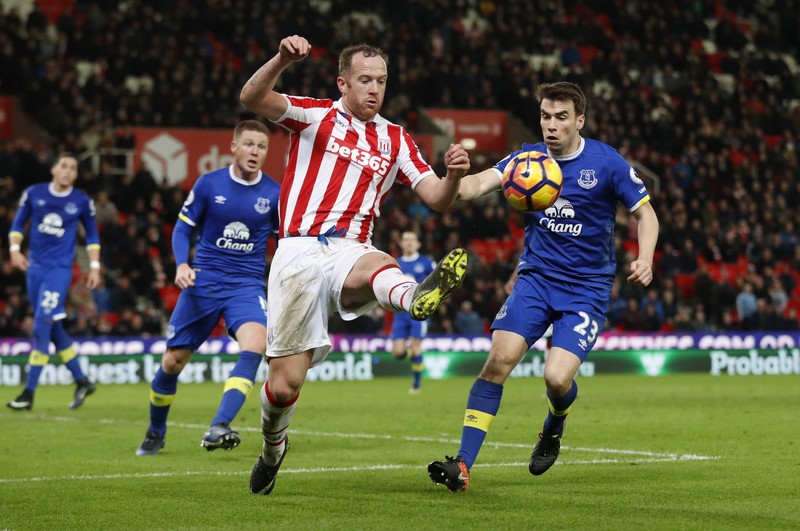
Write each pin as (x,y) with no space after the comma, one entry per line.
(532,181)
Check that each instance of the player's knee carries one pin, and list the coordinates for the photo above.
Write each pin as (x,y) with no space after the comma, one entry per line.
(174,360)
(558,382)
(283,391)
(498,366)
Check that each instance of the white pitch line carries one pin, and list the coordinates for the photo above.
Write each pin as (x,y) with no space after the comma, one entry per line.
(669,456)
(368,468)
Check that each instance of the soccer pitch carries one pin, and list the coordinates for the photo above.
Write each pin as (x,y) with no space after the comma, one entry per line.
(673,452)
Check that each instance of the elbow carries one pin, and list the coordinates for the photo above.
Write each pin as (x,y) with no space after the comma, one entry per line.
(245,96)
(440,206)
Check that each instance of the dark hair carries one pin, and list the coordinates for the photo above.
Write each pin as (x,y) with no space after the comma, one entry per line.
(64,155)
(346,57)
(250,125)
(563,91)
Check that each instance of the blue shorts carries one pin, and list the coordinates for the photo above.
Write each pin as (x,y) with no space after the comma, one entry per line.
(197,313)
(576,311)
(47,290)
(404,327)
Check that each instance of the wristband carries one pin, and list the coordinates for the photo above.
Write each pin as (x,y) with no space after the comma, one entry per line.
(94,264)
(14,247)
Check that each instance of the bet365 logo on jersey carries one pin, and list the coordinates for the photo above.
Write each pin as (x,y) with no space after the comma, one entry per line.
(377,164)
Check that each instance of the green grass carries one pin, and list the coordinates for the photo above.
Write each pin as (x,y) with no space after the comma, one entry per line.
(674,452)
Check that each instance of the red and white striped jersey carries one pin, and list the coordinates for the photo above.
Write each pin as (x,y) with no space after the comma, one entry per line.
(340,169)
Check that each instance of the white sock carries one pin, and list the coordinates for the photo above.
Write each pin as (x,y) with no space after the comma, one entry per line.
(393,289)
(275,419)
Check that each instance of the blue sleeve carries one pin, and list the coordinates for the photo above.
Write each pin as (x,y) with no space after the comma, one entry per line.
(190,216)
(501,166)
(90,224)
(628,186)
(194,207)
(181,237)
(23,215)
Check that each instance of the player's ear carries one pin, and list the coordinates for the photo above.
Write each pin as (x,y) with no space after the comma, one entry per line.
(342,84)
(581,121)
(233,146)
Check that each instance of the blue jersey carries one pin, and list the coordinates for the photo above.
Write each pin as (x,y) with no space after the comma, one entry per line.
(54,218)
(235,218)
(573,240)
(416,266)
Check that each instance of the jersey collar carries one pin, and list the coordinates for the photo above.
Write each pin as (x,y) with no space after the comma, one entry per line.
(339,106)
(52,190)
(571,156)
(242,181)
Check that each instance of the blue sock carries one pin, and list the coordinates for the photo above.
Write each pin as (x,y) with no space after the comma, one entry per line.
(60,337)
(559,407)
(417,366)
(237,387)
(66,351)
(41,353)
(162,394)
(76,370)
(482,405)
(34,373)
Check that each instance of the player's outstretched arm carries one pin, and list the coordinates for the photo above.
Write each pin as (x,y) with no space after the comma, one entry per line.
(479,184)
(439,194)
(258,94)
(642,267)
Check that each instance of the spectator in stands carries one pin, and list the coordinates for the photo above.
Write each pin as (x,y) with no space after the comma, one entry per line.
(632,317)
(683,319)
(123,296)
(777,295)
(107,211)
(746,305)
(652,299)
(467,320)
(669,262)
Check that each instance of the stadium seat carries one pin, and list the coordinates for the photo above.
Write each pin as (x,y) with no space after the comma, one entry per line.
(685,283)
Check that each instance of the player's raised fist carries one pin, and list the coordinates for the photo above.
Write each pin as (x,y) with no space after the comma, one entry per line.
(294,48)
(457,160)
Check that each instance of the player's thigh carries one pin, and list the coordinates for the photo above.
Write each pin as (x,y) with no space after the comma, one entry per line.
(192,320)
(298,299)
(245,313)
(401,326)
(252,337)
(48,289)
(526,312)
(358,278)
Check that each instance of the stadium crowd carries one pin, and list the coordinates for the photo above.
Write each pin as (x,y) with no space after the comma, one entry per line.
(705,96)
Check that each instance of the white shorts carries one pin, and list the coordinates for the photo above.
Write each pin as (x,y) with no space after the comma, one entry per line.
(305,281)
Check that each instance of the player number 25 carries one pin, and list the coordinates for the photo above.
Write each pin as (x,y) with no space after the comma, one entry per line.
(50,299)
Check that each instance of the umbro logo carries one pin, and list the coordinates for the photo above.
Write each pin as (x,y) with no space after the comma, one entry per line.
(471,418)
(220,199)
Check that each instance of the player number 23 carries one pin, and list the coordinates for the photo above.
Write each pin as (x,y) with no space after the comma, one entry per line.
(587,323)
